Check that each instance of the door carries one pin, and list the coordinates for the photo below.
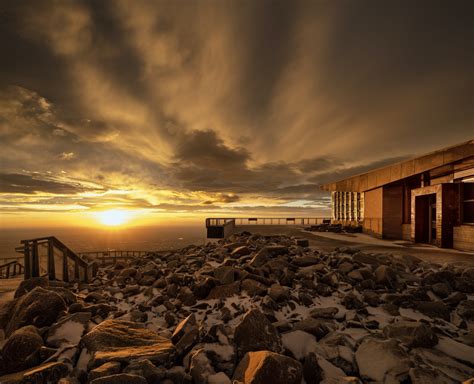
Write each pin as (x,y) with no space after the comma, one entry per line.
(432,220)
(425,218)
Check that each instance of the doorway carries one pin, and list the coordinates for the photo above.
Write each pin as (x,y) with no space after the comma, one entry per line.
(425,219)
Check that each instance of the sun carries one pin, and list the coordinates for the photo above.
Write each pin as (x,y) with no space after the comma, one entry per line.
(113,217)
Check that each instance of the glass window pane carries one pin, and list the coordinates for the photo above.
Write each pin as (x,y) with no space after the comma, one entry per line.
(468,212)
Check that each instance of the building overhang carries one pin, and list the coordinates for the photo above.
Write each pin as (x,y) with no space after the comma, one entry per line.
(438,163)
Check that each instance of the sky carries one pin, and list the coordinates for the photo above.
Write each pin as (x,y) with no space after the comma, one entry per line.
(174,110)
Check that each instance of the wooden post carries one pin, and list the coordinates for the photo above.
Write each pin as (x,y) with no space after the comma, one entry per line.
(51,266)
(35,260)
(26,254)
(76,270)
(65,267)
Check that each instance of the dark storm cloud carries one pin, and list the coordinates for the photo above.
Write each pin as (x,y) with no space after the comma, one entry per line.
(17,183)
(220,103)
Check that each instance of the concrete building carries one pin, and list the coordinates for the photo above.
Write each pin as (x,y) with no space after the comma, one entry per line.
(428,199)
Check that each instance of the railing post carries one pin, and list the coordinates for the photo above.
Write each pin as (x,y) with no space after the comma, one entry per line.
(51,266)
(65,266)
(35,260)
(26,253)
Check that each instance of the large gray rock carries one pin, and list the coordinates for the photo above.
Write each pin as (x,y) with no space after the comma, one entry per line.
(21,350)
(380,360)
(434,309)
(200,367)
(412,333)
(441,362)
(124,341)
(253,288)
(385,275)
(38,307)
(146,369)
(186,334)
(264,367)
(106,369)
(68,330)
(240,251)
(279,293)
(30,284)
(45,373)
(120,378)
(255,332)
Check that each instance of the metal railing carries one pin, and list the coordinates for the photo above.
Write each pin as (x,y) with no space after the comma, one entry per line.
(267,221)
(111,256)
(11,269)
(47,256)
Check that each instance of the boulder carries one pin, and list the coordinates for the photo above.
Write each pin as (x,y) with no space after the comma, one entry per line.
(200,367)
(223,291)
(312,372)
(146,369)
(385,275)
(68,330)
(439,361)
(186,296)
(465,309)
(265,367)
(120,378)
(276,250)
(253,288)
(305,261)
(302,242)
(186,334)
(124,341)
(412,333)
(441,290)
(428,376)
(29,284)
(21,350)
(379,359)
(225,274)
(324,313)
(279,293)
(45,373)
(177,375)
(240,251)
(106,369)
(260,258)
(434,309)
(38,307)
(364,258)
(255,332)
(314,326)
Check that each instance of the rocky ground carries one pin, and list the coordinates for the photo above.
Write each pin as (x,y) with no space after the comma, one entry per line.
(250,309)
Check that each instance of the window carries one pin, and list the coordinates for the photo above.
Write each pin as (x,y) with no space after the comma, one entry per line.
(468,203)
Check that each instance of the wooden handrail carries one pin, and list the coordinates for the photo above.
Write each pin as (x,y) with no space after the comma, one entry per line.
(81,271)
(12,268)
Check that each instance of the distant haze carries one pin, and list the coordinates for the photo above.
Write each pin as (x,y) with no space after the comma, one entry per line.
(178,110)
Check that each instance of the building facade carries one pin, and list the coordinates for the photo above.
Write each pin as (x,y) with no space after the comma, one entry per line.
(428,199)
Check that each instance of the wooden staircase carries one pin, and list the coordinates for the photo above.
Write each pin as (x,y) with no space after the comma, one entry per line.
(48,256)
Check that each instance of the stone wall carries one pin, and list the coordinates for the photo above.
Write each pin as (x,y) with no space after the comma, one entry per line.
(373,207)
(463,237)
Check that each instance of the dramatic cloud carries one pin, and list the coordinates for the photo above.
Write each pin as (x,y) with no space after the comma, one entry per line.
(222,107)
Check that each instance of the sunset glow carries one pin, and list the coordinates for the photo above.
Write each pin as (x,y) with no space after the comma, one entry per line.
(114,217)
